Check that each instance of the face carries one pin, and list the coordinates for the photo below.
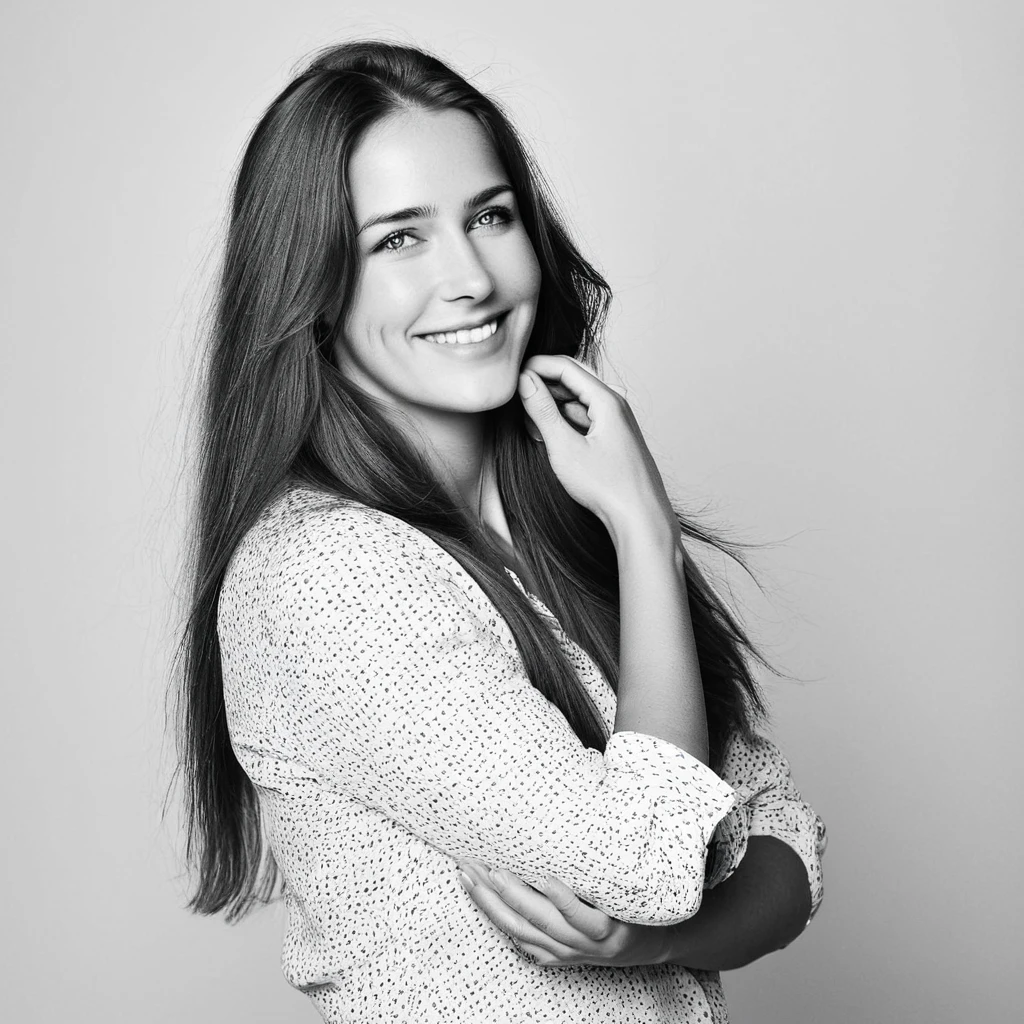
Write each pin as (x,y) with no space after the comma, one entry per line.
(448,281)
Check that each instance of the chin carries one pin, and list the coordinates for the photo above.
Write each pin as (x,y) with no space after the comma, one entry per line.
(477,400)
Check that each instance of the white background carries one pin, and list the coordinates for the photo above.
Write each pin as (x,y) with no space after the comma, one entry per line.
(811,213)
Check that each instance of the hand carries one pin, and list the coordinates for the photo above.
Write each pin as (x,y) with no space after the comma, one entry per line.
(554,928)
(569,407)
(594,444)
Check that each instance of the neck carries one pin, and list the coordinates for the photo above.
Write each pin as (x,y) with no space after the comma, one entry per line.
(458,448)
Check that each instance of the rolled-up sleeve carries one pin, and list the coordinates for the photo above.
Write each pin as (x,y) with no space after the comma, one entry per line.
(768,804)
(401,688)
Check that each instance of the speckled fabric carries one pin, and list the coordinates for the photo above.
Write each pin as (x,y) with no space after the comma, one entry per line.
(377,701)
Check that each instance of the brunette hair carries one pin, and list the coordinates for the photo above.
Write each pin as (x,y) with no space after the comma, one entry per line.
(278,412)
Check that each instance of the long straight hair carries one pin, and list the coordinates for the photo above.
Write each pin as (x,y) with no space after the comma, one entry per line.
(278,413)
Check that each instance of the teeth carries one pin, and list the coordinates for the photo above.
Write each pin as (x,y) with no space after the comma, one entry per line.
(477,334)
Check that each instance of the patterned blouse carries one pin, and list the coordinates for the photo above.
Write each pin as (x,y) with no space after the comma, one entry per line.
(377,701)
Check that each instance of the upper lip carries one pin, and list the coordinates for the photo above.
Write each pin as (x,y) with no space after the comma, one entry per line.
(467,326)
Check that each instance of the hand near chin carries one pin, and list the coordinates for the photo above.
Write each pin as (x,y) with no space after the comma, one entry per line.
(554,928)
(594,445)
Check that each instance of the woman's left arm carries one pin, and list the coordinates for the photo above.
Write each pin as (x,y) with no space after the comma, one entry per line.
(764,886)
(761,907)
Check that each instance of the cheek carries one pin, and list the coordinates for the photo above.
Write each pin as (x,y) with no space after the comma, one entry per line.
(384,304)
(529,271)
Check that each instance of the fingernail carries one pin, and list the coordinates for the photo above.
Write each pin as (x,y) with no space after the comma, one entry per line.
(497,876)
(466,880)
(526,385)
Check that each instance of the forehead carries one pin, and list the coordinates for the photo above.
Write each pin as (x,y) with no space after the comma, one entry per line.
(421,157)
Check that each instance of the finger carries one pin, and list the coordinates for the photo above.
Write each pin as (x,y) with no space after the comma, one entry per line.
(576,414)
(579,362)
(587,387)
(522,912)
(594,924)
(560,393)
(541,408)
(537,908)
(507,920)
(571,409)
(514,895)
(545,958)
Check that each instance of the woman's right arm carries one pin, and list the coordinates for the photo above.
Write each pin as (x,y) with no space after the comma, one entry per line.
(660,691)
(395,684)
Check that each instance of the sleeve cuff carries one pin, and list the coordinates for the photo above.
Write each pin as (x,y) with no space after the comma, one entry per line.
(670,771)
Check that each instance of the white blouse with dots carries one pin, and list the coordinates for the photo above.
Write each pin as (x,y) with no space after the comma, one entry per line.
(378,703)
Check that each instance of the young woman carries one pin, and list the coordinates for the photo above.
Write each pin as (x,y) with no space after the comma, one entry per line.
(448,650)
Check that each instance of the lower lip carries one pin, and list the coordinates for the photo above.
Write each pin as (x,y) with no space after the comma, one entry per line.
(494,341)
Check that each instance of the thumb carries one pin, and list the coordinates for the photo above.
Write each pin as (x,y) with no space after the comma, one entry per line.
(539,405)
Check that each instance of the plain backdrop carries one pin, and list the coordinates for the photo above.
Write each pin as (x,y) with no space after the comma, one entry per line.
(811,214)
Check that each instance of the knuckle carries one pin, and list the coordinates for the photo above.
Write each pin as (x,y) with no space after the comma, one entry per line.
(613,405)
(566,904)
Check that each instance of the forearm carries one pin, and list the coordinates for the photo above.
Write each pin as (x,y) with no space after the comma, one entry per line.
(760,908)
(660,691)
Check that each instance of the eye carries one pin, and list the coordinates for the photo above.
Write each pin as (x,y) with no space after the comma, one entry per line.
(394,242)
(494,216)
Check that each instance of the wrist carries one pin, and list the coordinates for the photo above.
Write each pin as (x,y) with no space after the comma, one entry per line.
(678,947)
(640,534)
(672,945)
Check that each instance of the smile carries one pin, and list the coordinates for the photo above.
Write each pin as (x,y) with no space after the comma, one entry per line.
(466,335)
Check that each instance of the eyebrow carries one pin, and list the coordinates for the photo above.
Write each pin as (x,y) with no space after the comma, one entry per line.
(411,212)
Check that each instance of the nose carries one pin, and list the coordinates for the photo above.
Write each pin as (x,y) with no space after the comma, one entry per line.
(463,274)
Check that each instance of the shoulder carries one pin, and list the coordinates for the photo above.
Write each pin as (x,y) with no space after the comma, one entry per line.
(304,526)
(313,548)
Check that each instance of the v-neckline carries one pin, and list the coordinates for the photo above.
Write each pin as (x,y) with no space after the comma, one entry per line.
(538,604)
(509,555)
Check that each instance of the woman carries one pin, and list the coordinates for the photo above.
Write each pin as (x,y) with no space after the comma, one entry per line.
(444,621)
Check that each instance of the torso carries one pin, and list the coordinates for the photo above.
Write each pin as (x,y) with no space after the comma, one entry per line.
(379,928)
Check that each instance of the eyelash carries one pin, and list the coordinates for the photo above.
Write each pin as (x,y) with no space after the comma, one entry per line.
(504,211)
